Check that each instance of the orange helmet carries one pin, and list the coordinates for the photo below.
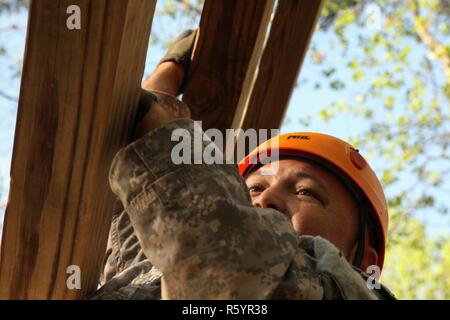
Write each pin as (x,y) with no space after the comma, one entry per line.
(336,155)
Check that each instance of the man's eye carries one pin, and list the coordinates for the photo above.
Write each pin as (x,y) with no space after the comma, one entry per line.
(310,193)
(257,188)
(307,192)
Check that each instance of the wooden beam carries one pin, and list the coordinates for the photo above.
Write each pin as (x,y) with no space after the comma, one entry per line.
(228,48)
(78,97)
(283,55)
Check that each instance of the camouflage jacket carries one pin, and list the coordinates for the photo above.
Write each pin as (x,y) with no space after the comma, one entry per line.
(191,232)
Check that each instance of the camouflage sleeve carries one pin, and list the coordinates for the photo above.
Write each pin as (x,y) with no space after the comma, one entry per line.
(196,224)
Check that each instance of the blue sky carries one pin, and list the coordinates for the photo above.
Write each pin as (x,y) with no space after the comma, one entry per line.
(305,101)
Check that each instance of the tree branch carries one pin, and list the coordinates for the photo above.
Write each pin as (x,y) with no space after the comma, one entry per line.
(8,97)
(429,40)
(12,26)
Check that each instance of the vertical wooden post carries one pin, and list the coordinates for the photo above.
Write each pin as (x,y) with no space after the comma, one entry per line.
(229,46)
(290,34)
(78,97)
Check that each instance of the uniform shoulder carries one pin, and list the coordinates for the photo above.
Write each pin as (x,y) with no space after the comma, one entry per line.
(339,276)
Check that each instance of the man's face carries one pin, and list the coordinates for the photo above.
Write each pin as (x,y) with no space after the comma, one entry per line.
(315,201)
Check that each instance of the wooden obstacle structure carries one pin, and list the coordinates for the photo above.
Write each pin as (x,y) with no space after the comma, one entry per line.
(77,104)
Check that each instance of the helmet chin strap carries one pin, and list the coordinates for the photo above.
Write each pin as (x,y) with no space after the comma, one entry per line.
(361,236)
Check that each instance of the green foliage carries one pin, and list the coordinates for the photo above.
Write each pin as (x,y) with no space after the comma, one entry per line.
(405,101)
(416,265)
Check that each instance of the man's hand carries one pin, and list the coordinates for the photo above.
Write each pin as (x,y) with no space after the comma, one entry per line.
(164,83)
(162,111)
(167,77)
(167,82)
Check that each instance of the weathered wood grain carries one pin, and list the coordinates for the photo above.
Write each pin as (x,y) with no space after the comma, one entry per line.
(228,49)
(78,97)
(283,55)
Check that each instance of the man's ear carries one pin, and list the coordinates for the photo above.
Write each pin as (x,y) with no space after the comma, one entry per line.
(370,258)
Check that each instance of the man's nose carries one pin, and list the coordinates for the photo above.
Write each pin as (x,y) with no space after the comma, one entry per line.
(271,197)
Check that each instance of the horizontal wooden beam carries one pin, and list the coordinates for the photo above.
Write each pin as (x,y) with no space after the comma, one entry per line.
(78,100)
(284,52)
(228,48)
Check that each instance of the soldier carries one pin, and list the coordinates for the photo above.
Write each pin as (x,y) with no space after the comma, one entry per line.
(306,230)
